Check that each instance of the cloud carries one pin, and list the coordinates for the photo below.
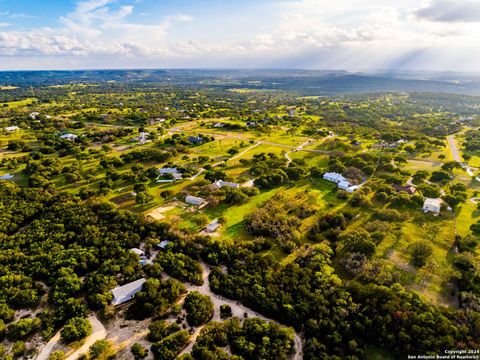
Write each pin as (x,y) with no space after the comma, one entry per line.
(4,24)
(450,11)
(16,15)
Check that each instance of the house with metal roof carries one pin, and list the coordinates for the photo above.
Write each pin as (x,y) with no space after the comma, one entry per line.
(220,183)
(193,200)
(334,177)
(432,205)
(214,225)
(124,293)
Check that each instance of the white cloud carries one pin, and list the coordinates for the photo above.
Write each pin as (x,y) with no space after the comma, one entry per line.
(450,11)
(296,33)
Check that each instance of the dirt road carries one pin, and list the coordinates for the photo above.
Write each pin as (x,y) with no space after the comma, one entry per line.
(238,310)
(98,333)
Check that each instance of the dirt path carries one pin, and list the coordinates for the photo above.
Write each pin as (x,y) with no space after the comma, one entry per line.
(98,333)
(298,148)
(48,348)
(238,310)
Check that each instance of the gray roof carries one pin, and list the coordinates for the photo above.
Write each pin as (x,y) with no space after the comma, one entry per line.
(124,293)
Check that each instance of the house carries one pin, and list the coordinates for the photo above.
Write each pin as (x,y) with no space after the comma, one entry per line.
(71,137)
(220,183)
(157,121)
(142,138)
(162,244)
(410,190)
(172,171)
(344,185)
(212,226)
(137,251)
(352,188)
(195,139)
(34,115)
(193,200)
(122,294)
(219,125)
(291,112)
(12,128)
(341,181)
(432,205)
(334,177)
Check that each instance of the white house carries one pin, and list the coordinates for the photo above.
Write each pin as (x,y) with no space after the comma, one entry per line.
(12,128)
(221,183)
(352,188)
(70,137)
(344,185)
(341,182)
(334,177)
(193,200)
(142,138)
(172,171)
(137,251)
(212,226)
(122,294)
(432,205)
(162,244)
(34,115)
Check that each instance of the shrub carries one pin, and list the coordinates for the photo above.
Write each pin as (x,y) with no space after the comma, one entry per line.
(75,329)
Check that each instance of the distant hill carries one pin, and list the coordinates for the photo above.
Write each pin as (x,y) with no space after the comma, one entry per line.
(306,82)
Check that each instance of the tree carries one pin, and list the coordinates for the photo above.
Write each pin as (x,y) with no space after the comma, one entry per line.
(420,252)
(199,308)
(143,198)
(225,311)
(138,351)
(75,329)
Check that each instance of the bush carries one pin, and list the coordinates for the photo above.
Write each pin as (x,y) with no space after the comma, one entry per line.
(161,329)
(199,308)
(138,351)
(23,328)
(57,355)
(420,251)
(75,329)
(98,348)
(225,311)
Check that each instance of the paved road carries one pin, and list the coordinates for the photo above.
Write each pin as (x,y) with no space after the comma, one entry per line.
(454,148)
(456,156)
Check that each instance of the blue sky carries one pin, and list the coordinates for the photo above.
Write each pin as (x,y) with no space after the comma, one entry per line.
(314,34)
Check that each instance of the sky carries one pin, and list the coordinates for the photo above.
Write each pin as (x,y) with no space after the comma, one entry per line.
(353,35)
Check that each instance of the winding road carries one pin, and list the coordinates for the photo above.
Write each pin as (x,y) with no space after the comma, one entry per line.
(238,310)
(98,333)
